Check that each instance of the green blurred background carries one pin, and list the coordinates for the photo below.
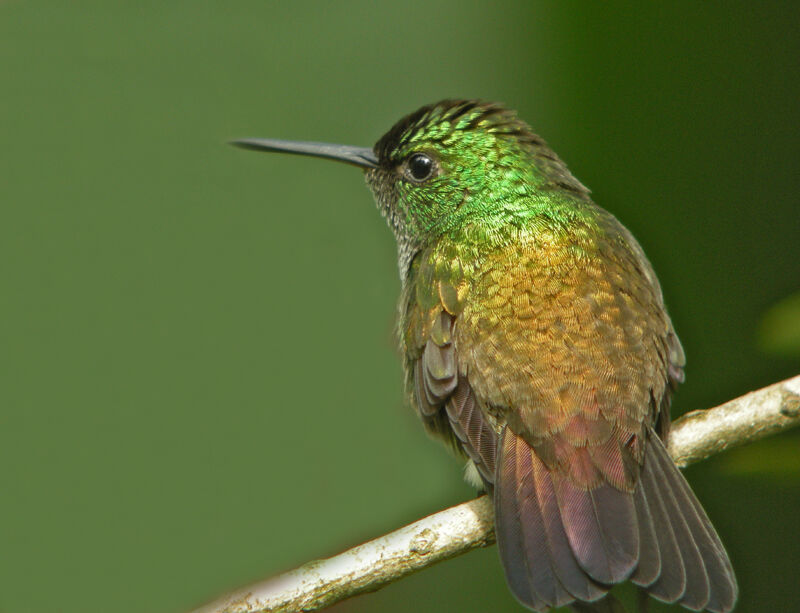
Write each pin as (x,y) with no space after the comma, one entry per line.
(198,380)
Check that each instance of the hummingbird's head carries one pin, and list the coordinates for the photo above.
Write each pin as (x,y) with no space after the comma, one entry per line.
(448,164)
(457,160)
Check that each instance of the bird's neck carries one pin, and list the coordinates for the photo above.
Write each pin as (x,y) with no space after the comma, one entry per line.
(563,235)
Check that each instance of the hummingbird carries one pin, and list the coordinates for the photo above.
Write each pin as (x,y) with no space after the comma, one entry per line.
(537,346)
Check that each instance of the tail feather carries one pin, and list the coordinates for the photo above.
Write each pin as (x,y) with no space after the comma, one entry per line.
(566,566)
(698,591)
(649,567)
(541,565)
(671,583)
(560,543)
(717,569)
(520,531)
(602,529)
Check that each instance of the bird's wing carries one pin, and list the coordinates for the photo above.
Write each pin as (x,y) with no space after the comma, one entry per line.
(445,401)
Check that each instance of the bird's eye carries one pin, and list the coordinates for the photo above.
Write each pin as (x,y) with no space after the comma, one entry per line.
(419,167)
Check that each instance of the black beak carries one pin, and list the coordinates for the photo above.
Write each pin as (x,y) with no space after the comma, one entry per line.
(357,156)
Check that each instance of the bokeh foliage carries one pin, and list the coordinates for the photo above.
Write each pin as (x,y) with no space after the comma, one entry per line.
(198,382)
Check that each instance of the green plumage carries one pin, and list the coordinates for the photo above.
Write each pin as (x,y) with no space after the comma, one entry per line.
(536,343)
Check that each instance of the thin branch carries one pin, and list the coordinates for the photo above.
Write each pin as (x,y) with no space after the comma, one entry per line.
(459,529)
(700,434)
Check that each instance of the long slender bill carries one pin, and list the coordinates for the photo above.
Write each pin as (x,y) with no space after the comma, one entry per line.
(357,156)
